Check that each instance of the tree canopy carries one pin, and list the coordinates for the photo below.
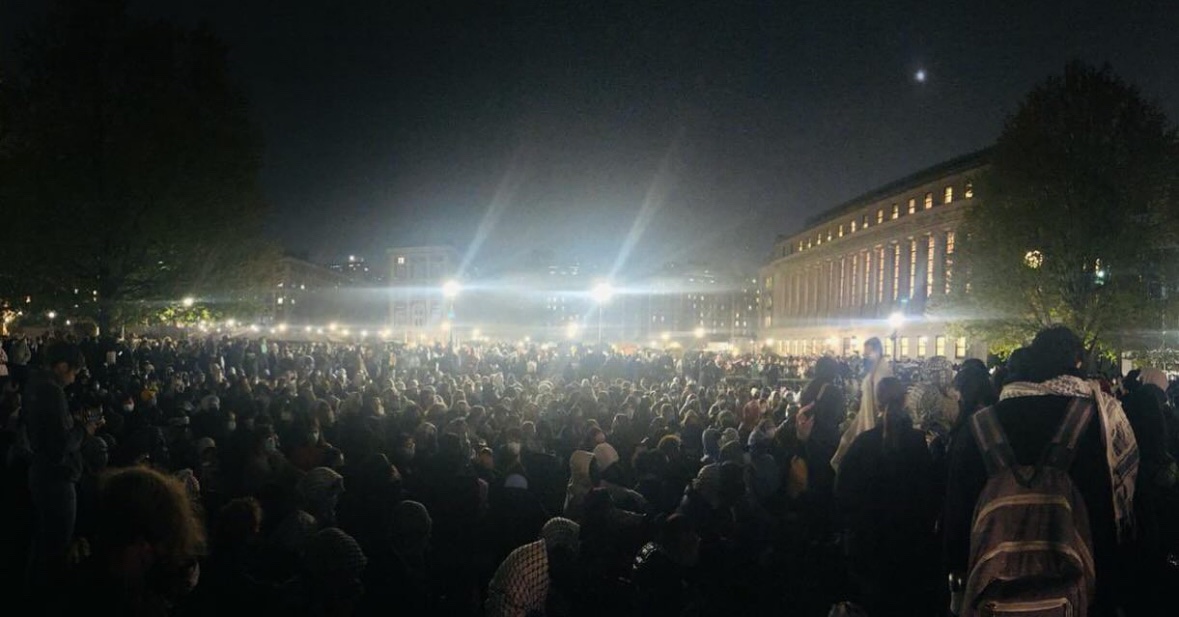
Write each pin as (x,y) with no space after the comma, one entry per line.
(1077,217)
(128,166)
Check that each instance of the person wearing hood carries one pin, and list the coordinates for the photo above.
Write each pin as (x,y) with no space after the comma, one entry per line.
(710,439)
(580,483)
(612,478)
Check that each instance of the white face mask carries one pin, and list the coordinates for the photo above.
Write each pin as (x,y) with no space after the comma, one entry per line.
(129,407)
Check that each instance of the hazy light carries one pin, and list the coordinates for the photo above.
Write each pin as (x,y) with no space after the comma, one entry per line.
(363,333)
(451,289)
(602,292)
(273,330)
(769,342)
(332,327)
(666,336)
(920,76)
(255,327)
(896,320)
(229,323)
(699,332)
(282,327)
(307,328)
(188,301)
(52,314)
(832,342)
(385,333)
(1033,259)
(319,330)
(528,339)
(475,333)
(445,324)
(571,330)
(344,332)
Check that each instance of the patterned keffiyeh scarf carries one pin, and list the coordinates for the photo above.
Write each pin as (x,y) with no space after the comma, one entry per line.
(1121,448)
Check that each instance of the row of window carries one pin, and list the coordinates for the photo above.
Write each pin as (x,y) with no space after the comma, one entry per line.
(882,214)
(806,347)
(913,267)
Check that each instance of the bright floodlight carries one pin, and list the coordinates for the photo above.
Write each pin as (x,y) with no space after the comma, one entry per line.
(332,327)
(282,327)
(475,333)
(363,333)
(229,323)
(602,292)
(896,320)
(665,336)
(53,314)
(344,332)
(385,333)
(769,342)
(188,302)
(307,329)
(699,332)
(571,331)
(451,288)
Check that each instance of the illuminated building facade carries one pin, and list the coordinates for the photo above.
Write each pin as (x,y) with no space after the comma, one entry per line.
(417,305)
(831,286)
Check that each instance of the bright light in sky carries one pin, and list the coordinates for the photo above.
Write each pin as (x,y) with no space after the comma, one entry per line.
(451,288)
(920,76)
(602,292)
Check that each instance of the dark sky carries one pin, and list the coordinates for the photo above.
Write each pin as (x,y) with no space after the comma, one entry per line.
(409,122)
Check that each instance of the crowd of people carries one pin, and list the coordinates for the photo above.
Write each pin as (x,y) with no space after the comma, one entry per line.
(233,476)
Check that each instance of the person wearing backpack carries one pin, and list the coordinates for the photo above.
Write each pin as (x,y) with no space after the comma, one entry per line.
(1039,503)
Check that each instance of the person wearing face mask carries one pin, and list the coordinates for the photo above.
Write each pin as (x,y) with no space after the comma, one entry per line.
(311,449)
(877,368)
(263,461)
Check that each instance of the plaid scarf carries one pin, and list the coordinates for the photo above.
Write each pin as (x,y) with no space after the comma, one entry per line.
(1121,448)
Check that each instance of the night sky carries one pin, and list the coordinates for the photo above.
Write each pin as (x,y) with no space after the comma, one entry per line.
(398,122)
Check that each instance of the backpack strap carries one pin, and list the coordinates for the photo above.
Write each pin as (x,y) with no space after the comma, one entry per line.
(992,441)
(1063,448)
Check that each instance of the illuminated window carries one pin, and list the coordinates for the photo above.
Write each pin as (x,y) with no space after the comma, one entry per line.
(867,277)
(912,266)
(400,261)
(842,278)
(922,346)
(879,275)
(896,271)
(841,231)
(819,238)
(904,347)
(809,243)
(960,347)
(864,222)
(928,200)
(829,235)
(855,280)
(949,272)
(949,196)
(800,246)
(929,267)
(880,216)
(912,205)
(888,350)
(969,192)
(896,211)
(939,346)
(853,227)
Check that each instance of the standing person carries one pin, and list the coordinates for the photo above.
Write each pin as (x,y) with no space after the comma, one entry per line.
(886,492)
(55,440)
(878,368)
(1029,418)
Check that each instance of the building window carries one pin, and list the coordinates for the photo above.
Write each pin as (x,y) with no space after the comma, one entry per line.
(842,278)
(853,227)
(969,192)
(912,267)
(896,271)
(889,352)
(400,260)
(960,347)
(904,346)
(949,196)
(819,239)
(829,235)
(949,267)
(855,280)
(929,266)
(922,346)
(864,222)
(867,277)
(939,346)
(880,216)
(928,200)
(879,275)
(841,231)
(912,205)
(896,211)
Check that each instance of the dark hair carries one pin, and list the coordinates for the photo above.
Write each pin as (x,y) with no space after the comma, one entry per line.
(976,391)
(890,396)
(61,351)
(1054,352)
(875,344)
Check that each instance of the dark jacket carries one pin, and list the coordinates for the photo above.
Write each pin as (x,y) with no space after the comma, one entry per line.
(1030,423)
(54,437)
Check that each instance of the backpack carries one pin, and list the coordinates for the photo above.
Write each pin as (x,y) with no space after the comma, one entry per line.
(1031,553)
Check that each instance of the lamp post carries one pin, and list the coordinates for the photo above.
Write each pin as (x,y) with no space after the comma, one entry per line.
(601,293)
(895,321)
(52,315)
(451,290)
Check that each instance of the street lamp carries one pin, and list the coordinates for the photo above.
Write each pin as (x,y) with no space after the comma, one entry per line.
(188,301)
(895,321)
(51,315)
(601,293)
(699,332)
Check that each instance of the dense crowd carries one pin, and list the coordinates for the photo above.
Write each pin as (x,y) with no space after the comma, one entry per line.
(239,476)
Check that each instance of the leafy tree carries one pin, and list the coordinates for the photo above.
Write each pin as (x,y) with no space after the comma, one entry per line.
(1076,219)
(129,166)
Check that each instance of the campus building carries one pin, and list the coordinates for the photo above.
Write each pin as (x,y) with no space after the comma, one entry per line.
(887,253)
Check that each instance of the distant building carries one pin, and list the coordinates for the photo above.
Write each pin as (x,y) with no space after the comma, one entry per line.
(310,294)
(832,285)
(418,307)
(357,269)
